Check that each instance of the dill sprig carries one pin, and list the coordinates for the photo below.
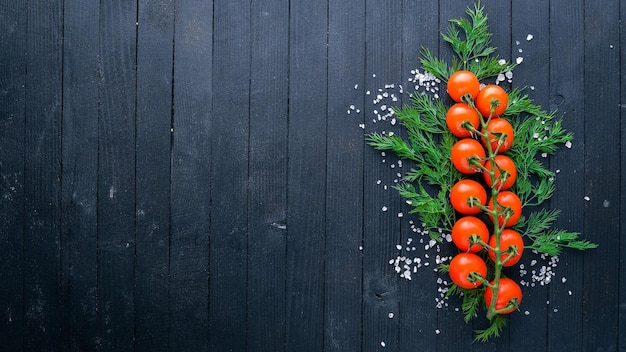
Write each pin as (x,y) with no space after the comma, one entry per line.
(470,39)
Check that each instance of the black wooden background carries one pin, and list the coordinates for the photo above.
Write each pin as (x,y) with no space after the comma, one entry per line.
(184,175)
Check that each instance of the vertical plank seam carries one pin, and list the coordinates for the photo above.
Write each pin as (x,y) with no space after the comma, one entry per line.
(288,164)
(171,185)
(134,216)
(24,145)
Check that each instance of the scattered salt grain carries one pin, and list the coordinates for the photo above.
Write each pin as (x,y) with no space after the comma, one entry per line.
(437,331)
(390,315)
(356,86)
(519,60)
(563,279)
(373,75)
(587,198)
(362,125)
(384,209)
(526,313)
(568,144)
(382,343)
(400,215)
(517,42)
(529,37)
(606,203)
(398,247)
(569,293)
(502,62)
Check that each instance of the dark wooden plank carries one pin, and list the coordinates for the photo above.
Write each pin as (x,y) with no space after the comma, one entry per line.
(116,171)
(418,310)
(381,229)
(155,40)
(13,29)
(306,186)
(566,96)
(42,176)
(602,211)
(622,204)
(527,328)
(269,89)
(80,175)
(344,189)
(191,160)
(229,173)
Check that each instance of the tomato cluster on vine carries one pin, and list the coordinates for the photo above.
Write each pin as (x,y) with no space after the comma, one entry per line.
(486,205)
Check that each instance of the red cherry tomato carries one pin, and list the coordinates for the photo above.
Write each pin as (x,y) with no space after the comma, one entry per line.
(496,128)
(504,163)
(461,83)
(459,113)
(508,238)
(463,230)
(462,191)
(508,290)
(462,265)
(464,149)
(488,94)
(507,199)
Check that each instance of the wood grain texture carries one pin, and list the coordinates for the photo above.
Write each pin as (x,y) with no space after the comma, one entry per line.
(191,177)
(267,179)
(344,189)
(13,33)
(228,262)
(80,175)
(42,177)
(567,96)
(117,175)
(381,229)
(155,46)
(306,175)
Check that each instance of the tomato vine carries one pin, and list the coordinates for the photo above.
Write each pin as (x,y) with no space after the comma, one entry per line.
(449,146)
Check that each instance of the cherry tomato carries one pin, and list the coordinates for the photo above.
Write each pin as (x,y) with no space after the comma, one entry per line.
(463,230)
(459,113)
(497,127)
(505,163)
(462,191)
(488,94)
(462,265)
(508,238)
(464,149)
(507,290)
(461,83)
(507,199)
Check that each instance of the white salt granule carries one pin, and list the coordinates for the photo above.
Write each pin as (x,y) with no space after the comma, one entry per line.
(587,198)
(400,215)
(563,279)
(519,60)
(529,37)
(398,247)
(390,315)
(384,209)
(356,86)
(382,343)
(568,144)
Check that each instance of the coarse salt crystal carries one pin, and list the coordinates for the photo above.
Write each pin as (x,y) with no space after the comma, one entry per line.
(568,144)
(529,37)
(519,60)
(390,315)
(356,86)
(382,343)
(384,209)
(587,198)
(398,247)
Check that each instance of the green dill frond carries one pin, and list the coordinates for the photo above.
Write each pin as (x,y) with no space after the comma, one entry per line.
(470,37)
(391,143)
(434,65)
(495,327)
(472,301)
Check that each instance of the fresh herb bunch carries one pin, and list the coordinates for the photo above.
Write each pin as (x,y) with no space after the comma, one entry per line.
(429,142)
